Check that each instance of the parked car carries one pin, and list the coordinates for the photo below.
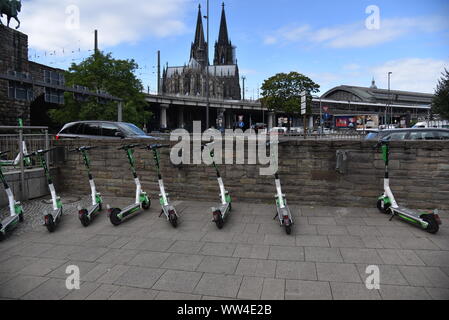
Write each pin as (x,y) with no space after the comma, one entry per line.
(296,130)
(278,131)
(433,124)
(408,134)
(101,130)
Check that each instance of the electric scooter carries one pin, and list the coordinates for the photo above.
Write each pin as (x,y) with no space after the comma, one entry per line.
(282,210)
(167,209)
(87,215)
(15,209)
(16,161)
(51,220)
(387,204)
(221,212)
(116,215)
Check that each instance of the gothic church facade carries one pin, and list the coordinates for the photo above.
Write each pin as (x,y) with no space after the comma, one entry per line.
(191,79)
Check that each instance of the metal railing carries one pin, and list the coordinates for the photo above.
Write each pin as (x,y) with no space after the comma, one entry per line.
(12,142)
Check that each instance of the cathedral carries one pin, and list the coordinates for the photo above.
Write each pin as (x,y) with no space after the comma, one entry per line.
(191,79)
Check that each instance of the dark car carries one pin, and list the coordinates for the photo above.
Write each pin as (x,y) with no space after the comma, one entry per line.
(409,134)
(101,130)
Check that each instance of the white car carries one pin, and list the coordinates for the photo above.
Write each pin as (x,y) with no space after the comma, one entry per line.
(278,130)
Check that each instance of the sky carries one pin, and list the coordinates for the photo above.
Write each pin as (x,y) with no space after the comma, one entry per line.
(332,42)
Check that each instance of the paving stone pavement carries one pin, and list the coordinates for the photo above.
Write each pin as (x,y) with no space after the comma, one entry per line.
(326,256)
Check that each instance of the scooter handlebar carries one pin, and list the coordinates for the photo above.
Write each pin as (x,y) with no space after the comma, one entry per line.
(157,146)
(84,148)
(380,143)
(130,146)
(35,153)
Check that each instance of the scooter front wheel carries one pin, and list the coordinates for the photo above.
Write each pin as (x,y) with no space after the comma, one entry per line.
(382,206)
(432,223)
(21,217)
(50,223)
(85,221)
(146,205)
(115,220)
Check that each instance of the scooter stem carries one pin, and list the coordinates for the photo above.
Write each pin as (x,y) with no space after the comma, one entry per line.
(222,190)
(279,193)
(93,191)
(138,190)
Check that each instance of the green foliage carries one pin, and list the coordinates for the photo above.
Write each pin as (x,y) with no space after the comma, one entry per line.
(282,92)
(116,77)
(440,103)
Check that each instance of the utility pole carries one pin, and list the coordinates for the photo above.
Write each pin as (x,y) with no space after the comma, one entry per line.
(158,72)
(243,78)
(95,42)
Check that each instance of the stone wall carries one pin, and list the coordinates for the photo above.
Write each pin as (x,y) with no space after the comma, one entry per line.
(419,174)
(13,57)
(35,184)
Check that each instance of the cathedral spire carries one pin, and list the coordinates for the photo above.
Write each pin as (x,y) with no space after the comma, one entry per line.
(199,46)
(223,35)
(224,51)
(199,34)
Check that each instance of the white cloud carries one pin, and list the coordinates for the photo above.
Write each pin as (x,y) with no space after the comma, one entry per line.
(356,35)
(411,74)
(117,22)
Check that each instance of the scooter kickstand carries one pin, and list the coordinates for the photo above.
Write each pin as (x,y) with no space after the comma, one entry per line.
(277,215)
(392,216)
(160,214)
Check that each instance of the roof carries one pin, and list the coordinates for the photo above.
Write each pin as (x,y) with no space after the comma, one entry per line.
(217,71)
(373,94)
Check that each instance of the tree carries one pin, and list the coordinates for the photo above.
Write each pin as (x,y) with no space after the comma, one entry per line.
(440,102)
(282,92)
(116,77)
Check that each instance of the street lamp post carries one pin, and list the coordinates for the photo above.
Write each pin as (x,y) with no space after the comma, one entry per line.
(207,68)
(389,97)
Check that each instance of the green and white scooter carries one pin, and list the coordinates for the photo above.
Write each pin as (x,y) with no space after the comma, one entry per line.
(51,220)
(282,209)
(116,215)
(16,161)
(87,215)
(167,209)
(15,209)
(386,203)
(221,212)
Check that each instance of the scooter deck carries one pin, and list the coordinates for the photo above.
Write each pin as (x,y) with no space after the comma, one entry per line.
(8,220)
(130,207)
(406,211)
(224,208)
(92,209)
(282,212)
(168,208)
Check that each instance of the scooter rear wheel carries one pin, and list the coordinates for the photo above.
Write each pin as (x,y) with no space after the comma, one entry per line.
(85,221)
(20,217)
(173,219)
(288,226)
(433,224)
(50,223)
(382,206)
(115,220)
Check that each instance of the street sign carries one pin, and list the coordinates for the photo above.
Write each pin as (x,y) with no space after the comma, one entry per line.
(303,103)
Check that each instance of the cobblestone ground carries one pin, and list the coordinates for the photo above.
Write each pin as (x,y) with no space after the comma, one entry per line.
(250,258)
